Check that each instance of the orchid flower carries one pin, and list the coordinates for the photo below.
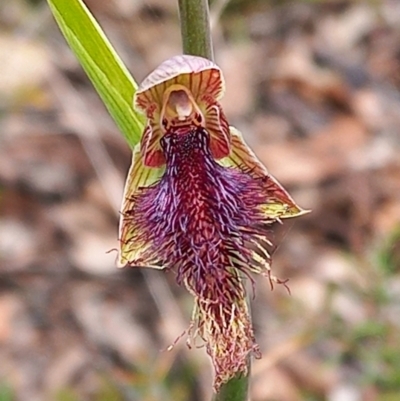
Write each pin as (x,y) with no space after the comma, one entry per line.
(198,202)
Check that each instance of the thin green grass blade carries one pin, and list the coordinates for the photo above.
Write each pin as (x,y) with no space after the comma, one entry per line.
(105,69)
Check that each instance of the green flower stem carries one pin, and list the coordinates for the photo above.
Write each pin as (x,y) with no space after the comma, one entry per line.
(196,40)
(195,28)
(235,390)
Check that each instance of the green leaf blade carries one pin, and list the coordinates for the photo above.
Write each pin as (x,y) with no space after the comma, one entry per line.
(101,63)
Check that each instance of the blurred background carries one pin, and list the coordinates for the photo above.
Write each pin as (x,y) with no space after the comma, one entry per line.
(314,87)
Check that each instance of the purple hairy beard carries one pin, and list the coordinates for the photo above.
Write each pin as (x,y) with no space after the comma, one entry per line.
(205,221)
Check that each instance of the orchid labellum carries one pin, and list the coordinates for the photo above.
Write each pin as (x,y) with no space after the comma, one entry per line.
(198,201)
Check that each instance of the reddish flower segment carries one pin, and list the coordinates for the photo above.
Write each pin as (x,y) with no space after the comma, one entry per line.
(201,206)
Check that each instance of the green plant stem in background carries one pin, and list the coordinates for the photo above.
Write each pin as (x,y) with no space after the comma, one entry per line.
(196,40)
(195,28)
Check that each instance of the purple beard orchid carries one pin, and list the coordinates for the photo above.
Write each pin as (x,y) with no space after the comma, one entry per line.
(198,201)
